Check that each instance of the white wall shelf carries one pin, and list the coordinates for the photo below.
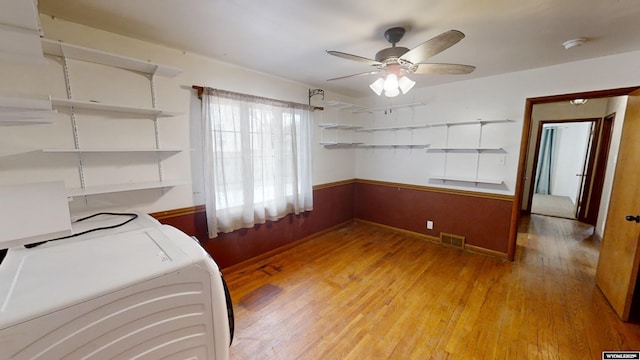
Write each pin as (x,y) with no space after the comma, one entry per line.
(475,150)
(468,180)
(85,159)
(112,150)
(20,32)
(480,149)
(342,141)
(354,108)
(472,122)
(420,146)
(25,110)
(339,143)
(343,106)
(338,126)
(57,48)
(389,107)
(98,106)
(26,118)
(394,128)
(95,190)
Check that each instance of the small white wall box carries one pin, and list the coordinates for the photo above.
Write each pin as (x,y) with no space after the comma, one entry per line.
(31,213)
(141,290)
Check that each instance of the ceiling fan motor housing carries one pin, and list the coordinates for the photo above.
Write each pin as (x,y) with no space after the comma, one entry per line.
(390,55)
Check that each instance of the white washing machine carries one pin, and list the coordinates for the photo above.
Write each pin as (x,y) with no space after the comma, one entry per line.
(142,290)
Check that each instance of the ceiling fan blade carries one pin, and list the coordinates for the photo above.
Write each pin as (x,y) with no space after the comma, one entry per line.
(354,58)
(432,47)
(348,76)
(444,69)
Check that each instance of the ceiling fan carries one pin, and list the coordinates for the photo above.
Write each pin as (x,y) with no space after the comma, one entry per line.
(397,61)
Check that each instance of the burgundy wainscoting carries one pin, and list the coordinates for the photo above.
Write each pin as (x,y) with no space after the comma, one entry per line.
(332,205)
(483,219)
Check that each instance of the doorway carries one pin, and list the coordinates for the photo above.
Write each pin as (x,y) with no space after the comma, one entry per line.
(563,159)
(521,204)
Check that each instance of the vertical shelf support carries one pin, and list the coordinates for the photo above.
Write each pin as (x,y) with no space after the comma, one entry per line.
(74,123)
(478,151)
(156,130)
(446,153)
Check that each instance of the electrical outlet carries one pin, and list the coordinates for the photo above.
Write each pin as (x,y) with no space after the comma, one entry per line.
(429,225)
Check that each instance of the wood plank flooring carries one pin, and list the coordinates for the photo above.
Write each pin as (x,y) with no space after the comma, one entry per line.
(363,292)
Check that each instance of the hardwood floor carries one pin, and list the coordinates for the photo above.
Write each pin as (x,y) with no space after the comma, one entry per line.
(363,292)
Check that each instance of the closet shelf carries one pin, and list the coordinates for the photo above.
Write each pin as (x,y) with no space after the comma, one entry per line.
(90,105)
(468,180)
(57,48)
(94,190)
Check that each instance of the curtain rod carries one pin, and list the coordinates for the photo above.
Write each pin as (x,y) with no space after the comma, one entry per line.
(201,89)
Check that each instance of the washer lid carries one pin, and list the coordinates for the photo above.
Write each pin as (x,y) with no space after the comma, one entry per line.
(37,281)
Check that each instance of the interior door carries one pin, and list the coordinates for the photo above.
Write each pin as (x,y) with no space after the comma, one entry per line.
(590,201)
(586,177)
(617,270)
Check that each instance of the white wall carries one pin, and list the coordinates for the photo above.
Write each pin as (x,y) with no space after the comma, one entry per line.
(487,98)
(21,163)
(495,97)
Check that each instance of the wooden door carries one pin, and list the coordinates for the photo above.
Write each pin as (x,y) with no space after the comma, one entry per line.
(587,172)
(620,254)
(590,201)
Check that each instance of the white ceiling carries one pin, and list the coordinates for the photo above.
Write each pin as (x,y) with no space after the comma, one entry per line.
(288,38)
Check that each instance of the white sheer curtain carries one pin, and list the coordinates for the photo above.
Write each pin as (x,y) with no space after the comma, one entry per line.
(257,159)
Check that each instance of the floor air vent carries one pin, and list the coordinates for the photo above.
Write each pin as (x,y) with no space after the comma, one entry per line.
(452,240)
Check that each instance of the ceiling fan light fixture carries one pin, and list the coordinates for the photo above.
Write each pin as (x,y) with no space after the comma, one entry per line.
(578,102)
(405,84)
(573,43)
(377,86)
(390,83)
(392,92)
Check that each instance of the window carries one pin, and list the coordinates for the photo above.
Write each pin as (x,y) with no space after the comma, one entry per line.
(257,155)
